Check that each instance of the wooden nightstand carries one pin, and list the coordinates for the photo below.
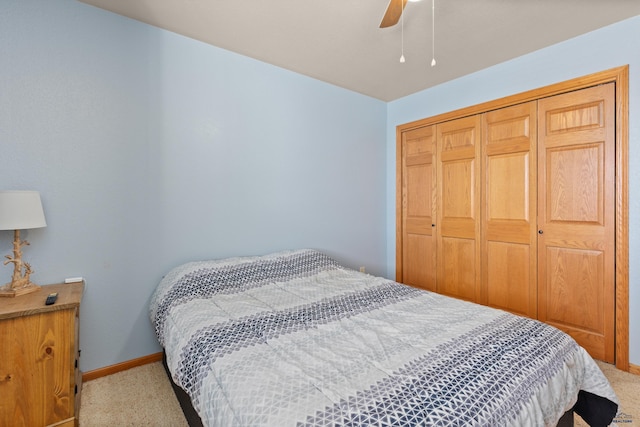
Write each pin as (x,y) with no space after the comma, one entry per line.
(40,381)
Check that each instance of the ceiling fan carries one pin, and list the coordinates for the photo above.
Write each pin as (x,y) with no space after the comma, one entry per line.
(393,13)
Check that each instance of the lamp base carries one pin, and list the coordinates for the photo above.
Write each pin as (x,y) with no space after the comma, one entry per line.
(10,292)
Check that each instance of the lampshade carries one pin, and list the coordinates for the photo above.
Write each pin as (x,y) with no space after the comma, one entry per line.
(20,210)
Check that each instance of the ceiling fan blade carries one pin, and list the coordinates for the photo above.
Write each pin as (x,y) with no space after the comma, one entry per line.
(393,13)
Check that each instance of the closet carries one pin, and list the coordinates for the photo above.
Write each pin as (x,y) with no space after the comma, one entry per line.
(512,204)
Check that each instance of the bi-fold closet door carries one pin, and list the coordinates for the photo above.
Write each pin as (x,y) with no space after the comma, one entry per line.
(514,208)
(468,191)
(576,216)
(509,199)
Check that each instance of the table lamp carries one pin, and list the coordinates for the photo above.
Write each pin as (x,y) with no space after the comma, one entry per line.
(20,210)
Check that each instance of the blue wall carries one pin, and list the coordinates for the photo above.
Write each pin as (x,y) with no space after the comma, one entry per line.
(599,50)
(151,149)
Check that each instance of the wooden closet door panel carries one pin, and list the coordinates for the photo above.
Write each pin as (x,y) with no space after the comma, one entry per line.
(458,208)
(576,257)
(507,277)
(418,207)
(457,273)
(509,234)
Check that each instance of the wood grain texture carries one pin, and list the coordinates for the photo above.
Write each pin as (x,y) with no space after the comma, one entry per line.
(38,357)
(69,295)
(458,208)
(576,216)
(619,76)
(621,79)
(509,200)
(418,213)
(71,422)
(393,13)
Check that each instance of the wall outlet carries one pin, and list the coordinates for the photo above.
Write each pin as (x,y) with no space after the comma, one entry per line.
(76,280)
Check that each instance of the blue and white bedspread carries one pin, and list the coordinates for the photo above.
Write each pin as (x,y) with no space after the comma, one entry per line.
(293,338)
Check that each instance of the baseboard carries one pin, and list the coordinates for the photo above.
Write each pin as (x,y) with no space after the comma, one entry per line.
(634,369)
(119,367)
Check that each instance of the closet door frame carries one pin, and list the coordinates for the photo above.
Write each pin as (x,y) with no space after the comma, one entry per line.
(619,76)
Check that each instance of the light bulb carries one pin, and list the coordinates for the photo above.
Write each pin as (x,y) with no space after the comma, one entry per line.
(402,59)
(433,62)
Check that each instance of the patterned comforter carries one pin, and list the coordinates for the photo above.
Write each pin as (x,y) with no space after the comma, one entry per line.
(293,338)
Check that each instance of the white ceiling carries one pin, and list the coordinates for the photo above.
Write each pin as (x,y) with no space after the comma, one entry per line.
(338,41)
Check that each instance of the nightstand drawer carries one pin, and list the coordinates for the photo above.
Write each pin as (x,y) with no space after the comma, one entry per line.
(38,358)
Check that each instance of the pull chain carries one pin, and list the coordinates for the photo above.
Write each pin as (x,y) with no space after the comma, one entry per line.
(402,37)
(433,33)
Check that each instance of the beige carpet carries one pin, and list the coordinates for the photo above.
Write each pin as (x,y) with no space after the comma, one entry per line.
(143,397)
(137,397)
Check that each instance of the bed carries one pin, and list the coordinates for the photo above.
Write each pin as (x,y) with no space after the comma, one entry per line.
(295,339)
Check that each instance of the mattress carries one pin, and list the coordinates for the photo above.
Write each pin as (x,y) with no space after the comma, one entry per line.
(294,338)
